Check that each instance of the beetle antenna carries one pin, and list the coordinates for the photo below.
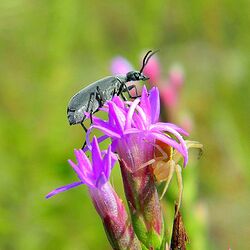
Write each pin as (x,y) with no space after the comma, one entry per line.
(146,59)
(150,56)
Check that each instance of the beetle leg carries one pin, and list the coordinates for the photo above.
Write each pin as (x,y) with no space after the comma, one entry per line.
(84,144)
(125,88)
(90,106)
(85,129)
(114,92)
(99,96)
(83,126)
(90,103)
(91,116)
(90,110)
(120,89)
(123,97)
(117,89)
(136,92)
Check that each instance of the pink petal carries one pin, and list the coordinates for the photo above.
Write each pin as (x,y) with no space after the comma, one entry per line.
(106,131)
(145,104)
(131,112)
(96,157)
(169,141)
(83,161)
(107,163)
(154,100)
(178,136)
(175,127)
(118,116)
(77,170)
(63,189)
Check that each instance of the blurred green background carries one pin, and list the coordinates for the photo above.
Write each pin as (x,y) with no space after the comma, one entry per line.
(51,49)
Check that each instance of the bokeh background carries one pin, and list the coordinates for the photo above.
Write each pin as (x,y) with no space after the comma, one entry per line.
(51,49)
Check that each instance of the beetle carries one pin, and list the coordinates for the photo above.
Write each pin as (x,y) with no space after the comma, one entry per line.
(93,97)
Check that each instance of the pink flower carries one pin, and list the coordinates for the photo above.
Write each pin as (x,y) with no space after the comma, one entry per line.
(120,66)
(133,128)
(109,206)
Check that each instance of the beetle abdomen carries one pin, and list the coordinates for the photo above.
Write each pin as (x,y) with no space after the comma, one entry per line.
(86,100)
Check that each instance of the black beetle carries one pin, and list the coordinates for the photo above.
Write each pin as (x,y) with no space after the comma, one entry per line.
(91,98)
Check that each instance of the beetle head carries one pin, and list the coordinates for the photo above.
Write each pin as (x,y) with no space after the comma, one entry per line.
(136,76)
